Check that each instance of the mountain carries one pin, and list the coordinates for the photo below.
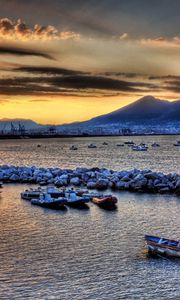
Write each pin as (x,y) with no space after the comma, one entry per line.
(5,124)
(146,110)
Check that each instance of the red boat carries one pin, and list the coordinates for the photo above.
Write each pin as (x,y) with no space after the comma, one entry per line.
(106,202)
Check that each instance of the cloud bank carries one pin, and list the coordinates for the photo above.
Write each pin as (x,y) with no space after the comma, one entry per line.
(19,30)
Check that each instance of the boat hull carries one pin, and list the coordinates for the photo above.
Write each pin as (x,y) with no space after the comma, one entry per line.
(53,205)
(106,203)
(163,247)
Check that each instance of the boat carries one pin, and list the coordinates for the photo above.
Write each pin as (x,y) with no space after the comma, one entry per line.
(45,200)
(143,145)
(31,193)
(177,144)
(161,246)
(105,143)
(73,148)
(120,145)
(139,148)
(155,145)
(35,193)
(107,202)
(76,201)
(129,143)
(91,146)
(1,185)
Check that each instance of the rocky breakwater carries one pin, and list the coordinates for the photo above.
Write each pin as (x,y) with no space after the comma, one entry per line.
(94,178)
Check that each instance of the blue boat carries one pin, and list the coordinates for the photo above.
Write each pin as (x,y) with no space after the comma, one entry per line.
(162,246)
(45,200)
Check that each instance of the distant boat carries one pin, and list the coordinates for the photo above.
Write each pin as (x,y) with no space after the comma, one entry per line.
(120,145)
(1,184)
(107,202)
(162,246)
(105,144)
(129,143)
(73,148)
(177,144)
(45,200)
(139,148)
(155,145)
(92,146)
(143,145)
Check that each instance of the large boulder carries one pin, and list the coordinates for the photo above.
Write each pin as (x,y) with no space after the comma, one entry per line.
(75,181)
(14,178)
(102,184)
(91,184)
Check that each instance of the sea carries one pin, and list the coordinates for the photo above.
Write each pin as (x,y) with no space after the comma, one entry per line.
(88,254)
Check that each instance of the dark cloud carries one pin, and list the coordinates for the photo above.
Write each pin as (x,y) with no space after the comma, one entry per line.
(48,70)
(164,77)
(67,85)
(173,86)
(23,52)
(98,82)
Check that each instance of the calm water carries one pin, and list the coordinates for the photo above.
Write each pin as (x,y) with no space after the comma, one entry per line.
(92,254)
(55,152)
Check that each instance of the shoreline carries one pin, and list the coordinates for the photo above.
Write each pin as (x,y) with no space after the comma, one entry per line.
(39,136)
(144,181)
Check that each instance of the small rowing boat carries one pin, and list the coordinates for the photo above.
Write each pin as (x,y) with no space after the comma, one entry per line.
(162,246)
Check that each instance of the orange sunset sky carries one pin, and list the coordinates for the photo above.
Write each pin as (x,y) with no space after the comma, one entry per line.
(72,60)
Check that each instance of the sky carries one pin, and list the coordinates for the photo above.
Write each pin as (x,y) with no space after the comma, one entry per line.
(70,60)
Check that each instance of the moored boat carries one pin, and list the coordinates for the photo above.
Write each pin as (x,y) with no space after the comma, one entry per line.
(139,148)
(161,246)
(108,202)
(91,146)
(35,193)
(76,201)
(73,148)
(45,200)
(177,144)
(155,145)
(1,184)
(129,143)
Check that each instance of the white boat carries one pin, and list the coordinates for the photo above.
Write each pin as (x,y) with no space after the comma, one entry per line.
(139,148)
(92,146)
(73,148)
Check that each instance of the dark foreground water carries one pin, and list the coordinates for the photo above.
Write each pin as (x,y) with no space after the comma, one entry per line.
(92,254)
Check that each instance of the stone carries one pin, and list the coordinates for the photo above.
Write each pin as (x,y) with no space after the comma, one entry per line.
(75,181)
(102,184)
(91,184)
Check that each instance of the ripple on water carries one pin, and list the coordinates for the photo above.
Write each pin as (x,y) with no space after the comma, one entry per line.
(91,254)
